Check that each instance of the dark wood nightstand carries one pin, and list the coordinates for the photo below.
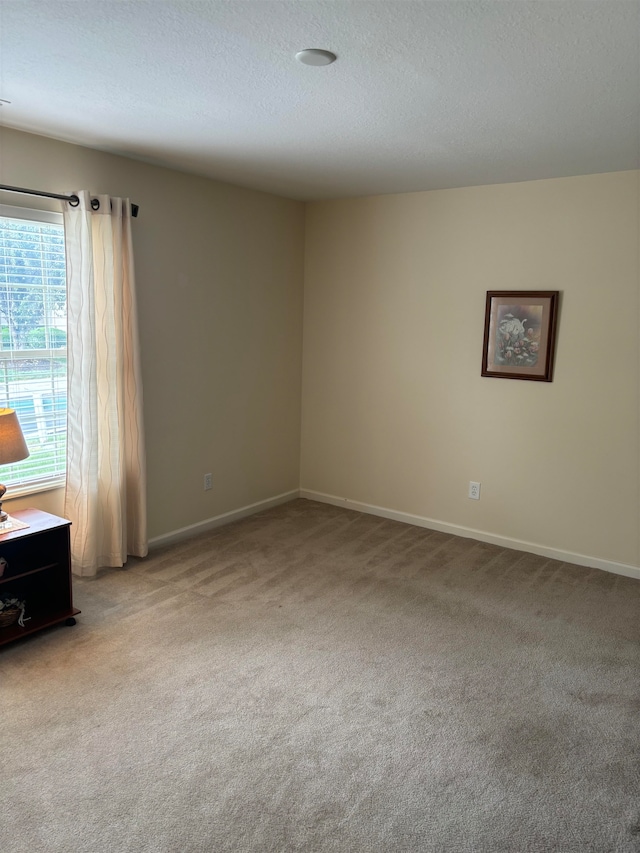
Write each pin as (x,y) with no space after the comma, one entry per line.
(38,572)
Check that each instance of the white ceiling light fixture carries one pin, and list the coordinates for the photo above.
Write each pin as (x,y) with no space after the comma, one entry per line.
(315,56)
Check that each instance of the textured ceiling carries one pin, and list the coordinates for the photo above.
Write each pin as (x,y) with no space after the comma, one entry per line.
(424,95)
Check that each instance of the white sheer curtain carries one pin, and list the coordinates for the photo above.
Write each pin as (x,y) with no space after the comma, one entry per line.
(106,476)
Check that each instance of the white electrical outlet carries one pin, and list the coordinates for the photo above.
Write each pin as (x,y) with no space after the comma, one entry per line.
(474,491)
(208,482)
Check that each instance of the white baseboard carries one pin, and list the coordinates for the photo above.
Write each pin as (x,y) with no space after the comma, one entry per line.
(481,535)
(406,518)
(219,520)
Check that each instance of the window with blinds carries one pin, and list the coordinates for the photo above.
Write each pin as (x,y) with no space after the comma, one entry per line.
(33,341)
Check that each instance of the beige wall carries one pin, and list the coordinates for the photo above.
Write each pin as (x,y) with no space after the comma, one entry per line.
(395,412)
(219,276)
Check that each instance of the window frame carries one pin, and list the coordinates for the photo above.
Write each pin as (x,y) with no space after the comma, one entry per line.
(47,217)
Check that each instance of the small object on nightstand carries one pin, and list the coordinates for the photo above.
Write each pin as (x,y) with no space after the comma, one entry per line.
(11,523)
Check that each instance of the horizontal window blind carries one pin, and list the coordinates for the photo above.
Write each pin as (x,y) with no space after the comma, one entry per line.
(33,339)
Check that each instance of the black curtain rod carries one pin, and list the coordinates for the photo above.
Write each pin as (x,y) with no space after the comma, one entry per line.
(73,200)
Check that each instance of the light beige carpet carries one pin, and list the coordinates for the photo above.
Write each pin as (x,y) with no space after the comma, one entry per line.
(312,679)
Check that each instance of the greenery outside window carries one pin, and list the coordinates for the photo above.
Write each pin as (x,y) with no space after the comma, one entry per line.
(33,341)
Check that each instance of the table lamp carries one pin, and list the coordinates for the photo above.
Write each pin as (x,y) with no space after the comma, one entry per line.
(13,447)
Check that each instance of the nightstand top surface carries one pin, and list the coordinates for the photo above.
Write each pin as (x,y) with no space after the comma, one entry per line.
(38,521)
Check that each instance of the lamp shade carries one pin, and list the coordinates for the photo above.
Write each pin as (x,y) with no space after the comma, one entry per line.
(13,447)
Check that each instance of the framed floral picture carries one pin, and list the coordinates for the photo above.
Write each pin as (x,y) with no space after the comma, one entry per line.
(520,334)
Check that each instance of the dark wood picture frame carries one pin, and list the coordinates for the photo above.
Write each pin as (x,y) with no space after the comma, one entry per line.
(520,334)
